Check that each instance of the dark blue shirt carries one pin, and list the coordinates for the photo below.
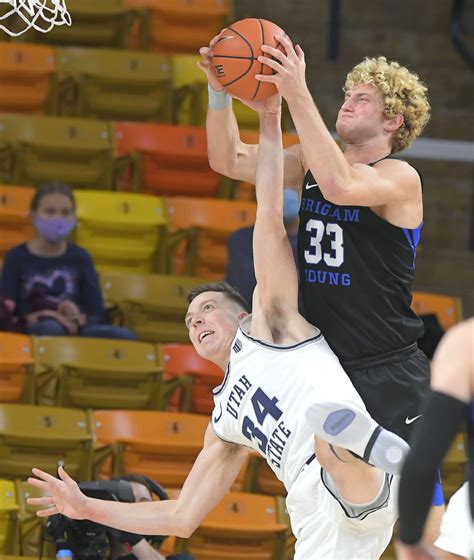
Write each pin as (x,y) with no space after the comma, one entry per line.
(240,271)
(36,283)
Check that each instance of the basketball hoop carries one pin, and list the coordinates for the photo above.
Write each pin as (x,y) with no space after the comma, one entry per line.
(41,15)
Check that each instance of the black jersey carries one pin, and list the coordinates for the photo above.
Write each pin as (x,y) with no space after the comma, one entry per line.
(356,275)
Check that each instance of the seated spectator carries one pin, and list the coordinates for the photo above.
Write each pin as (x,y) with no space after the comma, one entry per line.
(49,283)
(240,270)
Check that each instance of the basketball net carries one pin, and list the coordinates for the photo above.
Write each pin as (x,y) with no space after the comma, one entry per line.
(41,15)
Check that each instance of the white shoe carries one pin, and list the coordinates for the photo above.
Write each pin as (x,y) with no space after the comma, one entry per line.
(354,429)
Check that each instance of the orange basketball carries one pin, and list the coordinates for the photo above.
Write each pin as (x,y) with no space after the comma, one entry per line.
(236,53)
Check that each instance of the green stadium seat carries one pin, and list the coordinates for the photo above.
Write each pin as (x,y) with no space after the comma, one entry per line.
(98,373)
(75,151)
(113,84)
(153,305)
(43,436)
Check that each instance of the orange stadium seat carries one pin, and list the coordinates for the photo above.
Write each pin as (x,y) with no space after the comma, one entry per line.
(16,381)
(15,222)
(241,526)
(448,309)
(209,224)
(42,436)
(182,359)
(26,74)
(161,445)
(167,159)
(180,25)
(111,84)
(261,479)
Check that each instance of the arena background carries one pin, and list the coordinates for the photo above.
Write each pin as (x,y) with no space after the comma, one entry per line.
(144,265)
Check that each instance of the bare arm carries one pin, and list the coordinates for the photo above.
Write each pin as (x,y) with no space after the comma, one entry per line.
(227,154)
(390,182)
(275,268)
(211,477)
(452,370)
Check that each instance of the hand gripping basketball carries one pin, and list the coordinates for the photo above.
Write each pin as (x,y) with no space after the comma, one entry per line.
(236,62)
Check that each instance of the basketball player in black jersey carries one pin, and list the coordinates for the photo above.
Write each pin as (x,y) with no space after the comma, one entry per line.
(450,403)
(360,218)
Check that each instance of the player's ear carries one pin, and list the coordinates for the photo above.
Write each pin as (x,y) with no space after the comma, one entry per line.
(241,315)
(394,123)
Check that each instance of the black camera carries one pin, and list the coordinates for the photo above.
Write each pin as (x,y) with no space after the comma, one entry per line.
(89,540)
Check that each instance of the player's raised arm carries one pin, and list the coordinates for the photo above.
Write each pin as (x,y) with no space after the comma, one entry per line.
(210,479)
(275,268)
(227,154)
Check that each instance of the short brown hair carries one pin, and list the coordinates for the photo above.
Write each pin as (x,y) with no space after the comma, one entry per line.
(224,288)
(51,188)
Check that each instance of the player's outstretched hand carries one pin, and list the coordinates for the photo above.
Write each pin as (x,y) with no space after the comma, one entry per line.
(414,552)
(289,68)
(206,63)
(64,495)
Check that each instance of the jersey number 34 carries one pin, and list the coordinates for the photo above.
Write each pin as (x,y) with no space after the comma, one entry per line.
(263,406)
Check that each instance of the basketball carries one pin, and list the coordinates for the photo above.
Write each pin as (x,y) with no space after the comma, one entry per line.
(235,58)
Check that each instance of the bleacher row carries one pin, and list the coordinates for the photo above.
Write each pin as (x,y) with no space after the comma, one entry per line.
(106,84)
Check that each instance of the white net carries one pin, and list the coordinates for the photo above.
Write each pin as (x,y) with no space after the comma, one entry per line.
(17,16)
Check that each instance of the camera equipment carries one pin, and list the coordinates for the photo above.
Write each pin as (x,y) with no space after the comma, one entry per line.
(89,540)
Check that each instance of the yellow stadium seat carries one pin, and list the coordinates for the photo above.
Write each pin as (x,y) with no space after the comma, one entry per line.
(15,220)
(98,373)
(26,74)
(181,25)
(241,526)
(43,436)
(122,231)
(8,518)
(31,526)
(448,309)
(160,445)
(16,380)
(189,91)
(153,305)
(111,84)
(190,95)
(97,24)
(209,224)
(75,151)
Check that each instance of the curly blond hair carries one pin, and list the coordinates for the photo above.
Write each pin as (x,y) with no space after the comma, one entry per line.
(403,94)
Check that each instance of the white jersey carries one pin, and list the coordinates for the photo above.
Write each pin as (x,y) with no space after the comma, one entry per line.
(266,390)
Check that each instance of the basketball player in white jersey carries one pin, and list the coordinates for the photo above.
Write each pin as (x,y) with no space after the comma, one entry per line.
(283,386)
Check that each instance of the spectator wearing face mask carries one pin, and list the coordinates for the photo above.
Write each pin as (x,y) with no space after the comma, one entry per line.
(240,270)
(52,282)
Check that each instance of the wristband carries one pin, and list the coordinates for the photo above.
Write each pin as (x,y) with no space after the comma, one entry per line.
(218,100)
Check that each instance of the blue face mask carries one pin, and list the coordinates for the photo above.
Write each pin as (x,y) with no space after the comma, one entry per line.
(291,205)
